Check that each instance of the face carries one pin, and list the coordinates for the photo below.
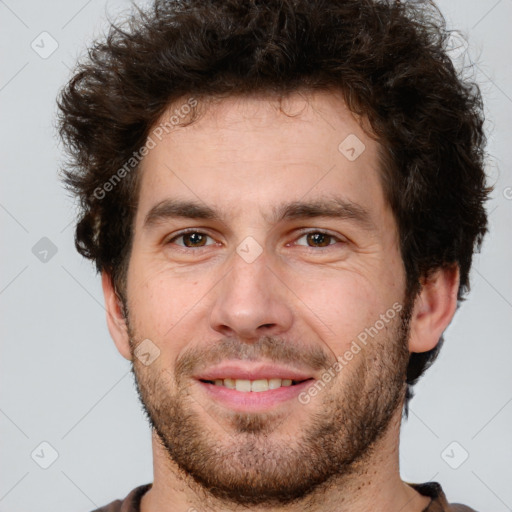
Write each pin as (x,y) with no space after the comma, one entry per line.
(265,297)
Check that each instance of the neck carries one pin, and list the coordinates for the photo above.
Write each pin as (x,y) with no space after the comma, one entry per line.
(374,484)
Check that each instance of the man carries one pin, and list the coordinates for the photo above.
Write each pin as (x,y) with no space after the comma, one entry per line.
(283,198)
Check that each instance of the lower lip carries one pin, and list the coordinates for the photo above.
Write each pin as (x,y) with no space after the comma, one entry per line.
(254,400)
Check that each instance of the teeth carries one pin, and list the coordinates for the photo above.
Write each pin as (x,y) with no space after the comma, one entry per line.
(274,383)
(253,385)
(229,383)
(243,385)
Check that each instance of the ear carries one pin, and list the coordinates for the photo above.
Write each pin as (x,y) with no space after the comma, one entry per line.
(115,318)
(434,309)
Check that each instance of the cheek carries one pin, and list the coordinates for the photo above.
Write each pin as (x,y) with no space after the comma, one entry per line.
(341,306)
(161,303)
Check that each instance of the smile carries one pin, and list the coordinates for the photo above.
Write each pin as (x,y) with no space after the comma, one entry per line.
(257,396)
(255,386)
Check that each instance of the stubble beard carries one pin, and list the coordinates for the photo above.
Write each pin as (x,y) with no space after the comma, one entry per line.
(244,459)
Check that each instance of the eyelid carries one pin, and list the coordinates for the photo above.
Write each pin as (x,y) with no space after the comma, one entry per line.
(337,237)
(301,233)
(179,234)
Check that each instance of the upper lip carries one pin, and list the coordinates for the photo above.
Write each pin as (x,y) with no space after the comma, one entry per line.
(251,371)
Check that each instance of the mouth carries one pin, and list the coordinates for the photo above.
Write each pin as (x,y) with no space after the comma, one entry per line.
(254,386)
(256,395)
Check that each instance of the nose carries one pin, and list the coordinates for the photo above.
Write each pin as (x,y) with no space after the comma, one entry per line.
(251,301)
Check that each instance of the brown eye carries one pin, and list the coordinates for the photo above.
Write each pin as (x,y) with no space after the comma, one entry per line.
(191,239)
(317,239)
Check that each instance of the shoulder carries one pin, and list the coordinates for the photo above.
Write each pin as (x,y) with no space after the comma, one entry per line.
(457,507)
(115,506)
(129,504)
(439,501)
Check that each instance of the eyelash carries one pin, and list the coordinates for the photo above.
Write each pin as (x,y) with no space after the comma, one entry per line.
(302,234)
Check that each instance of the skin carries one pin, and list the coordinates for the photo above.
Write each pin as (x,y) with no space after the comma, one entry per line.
(244,157)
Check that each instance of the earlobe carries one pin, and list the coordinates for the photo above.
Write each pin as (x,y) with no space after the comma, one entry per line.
(434,309)
(116,320)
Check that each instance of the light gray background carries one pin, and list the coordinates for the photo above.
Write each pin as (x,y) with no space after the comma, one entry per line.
(62,380)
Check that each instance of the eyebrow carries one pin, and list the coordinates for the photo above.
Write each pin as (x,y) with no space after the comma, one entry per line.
(337,208)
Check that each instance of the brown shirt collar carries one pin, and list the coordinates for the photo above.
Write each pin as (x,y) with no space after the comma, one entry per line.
(433,490)
(439,502)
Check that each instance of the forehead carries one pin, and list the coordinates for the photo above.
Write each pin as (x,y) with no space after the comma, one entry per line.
(247,154)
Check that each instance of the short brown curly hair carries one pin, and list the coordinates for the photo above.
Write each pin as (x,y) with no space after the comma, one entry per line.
(387,58)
